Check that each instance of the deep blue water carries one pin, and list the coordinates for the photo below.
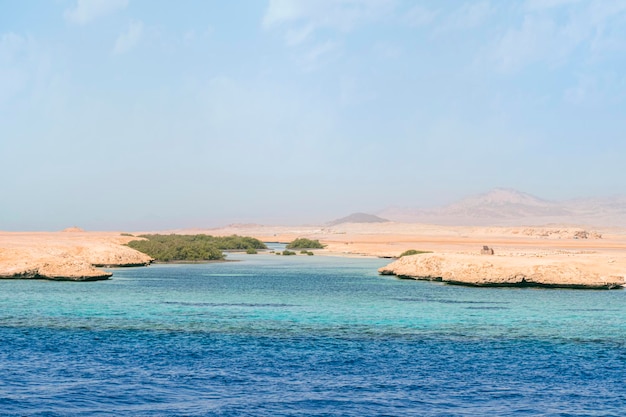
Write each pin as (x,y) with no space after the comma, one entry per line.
(274,335)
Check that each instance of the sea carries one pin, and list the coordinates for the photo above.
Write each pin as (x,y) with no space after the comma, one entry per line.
(268,335)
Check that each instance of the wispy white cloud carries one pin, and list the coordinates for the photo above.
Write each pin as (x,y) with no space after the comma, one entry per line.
(387,50)
(535,39)
(10,44)
(352,91)
(594,26)
(279,11)
(30,76)
(594,89)
(129,39)
(319,54)
(420,16)
(298,35)
(585,91)
(468,16)
(547,4)
(301,19)
(191,36)
(12,77)
(606,26)
(301,23)
(86,11)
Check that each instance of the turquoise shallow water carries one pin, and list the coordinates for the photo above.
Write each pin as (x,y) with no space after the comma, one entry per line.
(274,335)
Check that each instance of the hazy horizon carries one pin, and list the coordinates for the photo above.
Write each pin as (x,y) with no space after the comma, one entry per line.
(147,115)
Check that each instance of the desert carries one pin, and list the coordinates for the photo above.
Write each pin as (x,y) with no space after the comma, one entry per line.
(530,241)
(555,256)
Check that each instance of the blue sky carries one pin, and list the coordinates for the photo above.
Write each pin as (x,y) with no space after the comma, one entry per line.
(138,114)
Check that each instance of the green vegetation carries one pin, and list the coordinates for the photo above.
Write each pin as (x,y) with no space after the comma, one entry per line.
(288,252)
(251,251)
(302,243)
(306,252)
(127,234)
(235,242)
(413,252)
(173,248)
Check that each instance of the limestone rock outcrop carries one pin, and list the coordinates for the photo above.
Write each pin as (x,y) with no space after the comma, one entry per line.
(549,271)
(62,267)
(65,256)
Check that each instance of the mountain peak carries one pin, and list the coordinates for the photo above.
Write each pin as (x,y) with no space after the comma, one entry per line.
(503,196)
(495,207)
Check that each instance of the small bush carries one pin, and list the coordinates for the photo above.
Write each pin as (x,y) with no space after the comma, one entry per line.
(302,243)
(288,252)
(251,251)
(412,252)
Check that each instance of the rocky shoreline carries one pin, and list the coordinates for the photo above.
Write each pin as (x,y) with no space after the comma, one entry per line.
(62,256)
(557,271)
(552,256)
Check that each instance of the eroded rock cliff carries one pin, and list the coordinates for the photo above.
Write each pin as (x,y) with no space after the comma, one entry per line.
(554,270)
(65,256)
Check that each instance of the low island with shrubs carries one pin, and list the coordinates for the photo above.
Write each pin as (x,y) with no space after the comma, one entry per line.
(193,248)
(303,243)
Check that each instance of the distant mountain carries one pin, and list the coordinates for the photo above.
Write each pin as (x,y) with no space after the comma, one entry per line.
(508,207)
(605,211)
(358,218)
(504,203)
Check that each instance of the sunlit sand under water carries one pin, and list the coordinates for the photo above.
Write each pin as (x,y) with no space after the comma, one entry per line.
(305,336)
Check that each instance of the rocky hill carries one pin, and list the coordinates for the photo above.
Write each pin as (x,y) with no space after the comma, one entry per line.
(358,218)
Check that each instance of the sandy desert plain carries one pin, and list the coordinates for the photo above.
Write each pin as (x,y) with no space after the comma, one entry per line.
(561,256)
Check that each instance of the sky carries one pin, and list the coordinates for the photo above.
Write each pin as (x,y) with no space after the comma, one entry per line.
(150,114)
